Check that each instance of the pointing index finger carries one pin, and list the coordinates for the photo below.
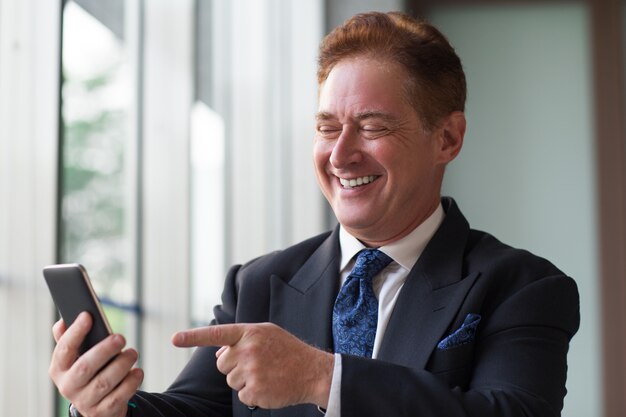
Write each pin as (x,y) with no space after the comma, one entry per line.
(217,335)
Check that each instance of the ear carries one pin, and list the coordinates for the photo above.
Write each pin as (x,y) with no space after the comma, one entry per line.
(451,134)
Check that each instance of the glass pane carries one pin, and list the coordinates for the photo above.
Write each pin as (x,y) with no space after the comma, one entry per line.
(207,174)
(98,171)
(207,212)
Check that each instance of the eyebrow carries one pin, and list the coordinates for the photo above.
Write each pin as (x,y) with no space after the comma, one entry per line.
(373,114)
(368,114)
(322,115)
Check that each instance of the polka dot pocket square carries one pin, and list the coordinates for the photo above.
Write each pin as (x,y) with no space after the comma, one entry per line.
(463,335)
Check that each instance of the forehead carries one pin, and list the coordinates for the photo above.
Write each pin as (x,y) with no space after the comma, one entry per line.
(364,85)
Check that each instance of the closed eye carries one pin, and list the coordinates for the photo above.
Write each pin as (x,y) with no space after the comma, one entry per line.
(374,131)
(373,128)
(328,131)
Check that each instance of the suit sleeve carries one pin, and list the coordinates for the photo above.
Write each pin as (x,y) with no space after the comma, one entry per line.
(517,367)
(200,390)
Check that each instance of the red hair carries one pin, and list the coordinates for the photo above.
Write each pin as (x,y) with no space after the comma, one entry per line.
(436,84)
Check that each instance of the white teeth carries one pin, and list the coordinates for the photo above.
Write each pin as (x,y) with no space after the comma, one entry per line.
(355,182)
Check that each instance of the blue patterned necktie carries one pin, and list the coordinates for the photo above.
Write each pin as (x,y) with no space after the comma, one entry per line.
(355,314)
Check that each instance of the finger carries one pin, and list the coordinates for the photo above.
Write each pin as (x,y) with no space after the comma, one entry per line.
(247,397)
(110,377)
(236,380)
(92,361)
(218,335)
(67,348)
(220,351)
(116,403)
(58,329)
(227,361)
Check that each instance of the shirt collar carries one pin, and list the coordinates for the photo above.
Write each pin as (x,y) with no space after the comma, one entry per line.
(405,251)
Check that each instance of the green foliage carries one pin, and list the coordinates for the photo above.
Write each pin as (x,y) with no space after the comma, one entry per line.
(98,81)
(94,179)
(64,405)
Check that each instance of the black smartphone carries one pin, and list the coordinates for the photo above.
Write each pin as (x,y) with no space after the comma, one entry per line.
(72,293)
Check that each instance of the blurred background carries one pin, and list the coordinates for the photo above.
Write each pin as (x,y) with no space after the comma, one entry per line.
(158,142)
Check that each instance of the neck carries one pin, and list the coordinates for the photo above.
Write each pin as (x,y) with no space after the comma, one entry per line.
(384,237)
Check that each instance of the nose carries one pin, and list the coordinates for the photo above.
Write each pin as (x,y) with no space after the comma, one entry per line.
(347,149)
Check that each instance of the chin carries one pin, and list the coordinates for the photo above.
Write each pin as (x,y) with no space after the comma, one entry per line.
(354,221)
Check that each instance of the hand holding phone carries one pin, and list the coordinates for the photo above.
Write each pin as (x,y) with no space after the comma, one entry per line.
(72,293)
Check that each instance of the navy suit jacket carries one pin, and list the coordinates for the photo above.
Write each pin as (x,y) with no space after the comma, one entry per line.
(516,364)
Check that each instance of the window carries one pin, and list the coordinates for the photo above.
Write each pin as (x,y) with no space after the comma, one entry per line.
(154,174)
(98,173)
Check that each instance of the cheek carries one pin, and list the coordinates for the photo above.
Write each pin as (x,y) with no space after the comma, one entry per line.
(321,154)
(320,158)
(385,155)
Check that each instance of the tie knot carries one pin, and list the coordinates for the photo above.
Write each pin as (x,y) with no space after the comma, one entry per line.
(370,262)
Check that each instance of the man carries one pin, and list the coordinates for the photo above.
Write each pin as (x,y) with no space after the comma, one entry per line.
(403,310)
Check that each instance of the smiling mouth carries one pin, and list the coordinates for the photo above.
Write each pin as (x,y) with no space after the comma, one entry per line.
(357,182)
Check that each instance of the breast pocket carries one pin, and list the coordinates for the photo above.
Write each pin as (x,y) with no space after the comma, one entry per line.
(453,366)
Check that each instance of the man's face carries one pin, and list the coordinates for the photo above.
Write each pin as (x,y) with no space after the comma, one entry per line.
(378,168)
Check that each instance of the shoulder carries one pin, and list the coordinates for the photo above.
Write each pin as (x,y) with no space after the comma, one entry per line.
(482,253)
(285,262)
(517,281)
(487,253)
(247,289)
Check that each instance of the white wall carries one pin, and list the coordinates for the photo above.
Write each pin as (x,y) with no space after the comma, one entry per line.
(167,100)
(264,84)
(526,172)
(29,41)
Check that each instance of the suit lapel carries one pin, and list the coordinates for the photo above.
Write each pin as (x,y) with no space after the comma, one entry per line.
(420,319)
(303,305)
(431,296)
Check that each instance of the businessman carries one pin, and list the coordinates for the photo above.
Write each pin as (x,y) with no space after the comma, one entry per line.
(402,310)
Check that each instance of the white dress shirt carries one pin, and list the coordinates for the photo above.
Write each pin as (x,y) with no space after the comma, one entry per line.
(387,284)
